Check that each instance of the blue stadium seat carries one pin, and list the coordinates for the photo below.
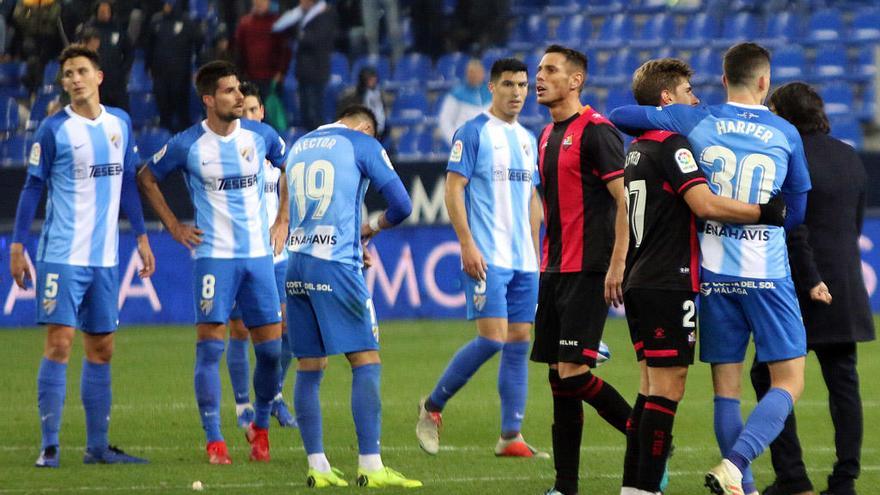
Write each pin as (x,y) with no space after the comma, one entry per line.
(528,31)
(866,63)
(618,97)
(562,7)
(412,69)
(38,110)
(532,60)
(647,6)
(788,64)
(491,55)
(618,69)
(414,144)
(699,30)
(865,26)
(782,28)
(378,62)
(196,108)
(849,131)
(449,70)
(711,94)
(50,72)
(8,114)
(825,25)
(139,80)
(830,63)
(410,108)
(11,73)
(655,32)
(838,97)
(151,140)
(293,134)
(533,114)
(615,32)
(199,9)
(707,65)
(867,106)
(744,26)
(604,7)
(339,72)
(14,150)
(142,109)
(331,98)
(573,30)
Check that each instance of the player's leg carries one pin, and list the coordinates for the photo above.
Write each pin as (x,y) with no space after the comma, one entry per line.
(239,366)
(279,408)
(631,455)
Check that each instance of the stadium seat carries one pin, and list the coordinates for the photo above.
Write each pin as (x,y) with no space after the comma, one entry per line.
(562,8)
(449,70)
(491,55)
(867,105)
(782,28)
(50,72)
(618,69)
(38,110)
(699,30)
(573,30)
(151,140)
(331,98)
(293,134)
(196,108)
(528,31)
(849,131)
(838,97)
(655,32)
(830,63)
(339,73)
(707,65)
(618,97)
(604,7)
(647,6)
(743,26)
(825,25)
(410,108)
(615,32)
(414,145)
(378,62)
(11,73)
(14,150)
(533,114)
(788,64)
(711,94)
(866,63)
(865,26)
(139,81)
(8,115)
(142,109)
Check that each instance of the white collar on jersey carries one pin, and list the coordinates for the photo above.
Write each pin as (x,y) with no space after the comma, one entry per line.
(333,125)
(97,120)
(748,107)
(228,137)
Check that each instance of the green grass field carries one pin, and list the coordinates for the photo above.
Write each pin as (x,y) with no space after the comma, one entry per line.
(155,415)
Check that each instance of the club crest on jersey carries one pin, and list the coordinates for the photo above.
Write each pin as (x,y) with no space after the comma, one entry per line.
(247,153)
(526,150)
(455,154)
(36,151)
(116,140)
(685,161)
(705,289)
(159,154)
(206,305)
(747,115)
(49,305)
(659,333)
(566,143)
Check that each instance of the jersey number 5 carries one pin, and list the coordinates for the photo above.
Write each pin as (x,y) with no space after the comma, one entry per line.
(310,184)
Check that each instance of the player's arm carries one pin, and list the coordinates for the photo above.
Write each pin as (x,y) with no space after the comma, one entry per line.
(709,206)
(377,166)
(472,260)
(636,119)
(797,183)
(148,183)
(614,277)
(277,155)
(40,160)
(536,216)
(130,202)
(804,270)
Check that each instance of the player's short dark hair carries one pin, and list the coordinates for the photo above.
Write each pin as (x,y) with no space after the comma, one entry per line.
(208,75)
(654,76)
(572,56)
(800,104)
(742,61)
(503,65)
(248,88)
(358,110)
(79,50)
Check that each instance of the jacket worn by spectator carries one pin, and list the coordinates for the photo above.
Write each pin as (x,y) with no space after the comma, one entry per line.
(260,53)
(461,104)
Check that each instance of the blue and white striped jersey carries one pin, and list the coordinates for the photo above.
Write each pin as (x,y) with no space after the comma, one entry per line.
(500,162)
(328,173)
(226,180)
(82,162)
(748,154)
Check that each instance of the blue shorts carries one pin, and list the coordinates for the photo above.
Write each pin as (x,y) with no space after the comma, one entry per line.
(280,274)
(731,308)
(329,310)
(83,297)
(219,283)
(506,293)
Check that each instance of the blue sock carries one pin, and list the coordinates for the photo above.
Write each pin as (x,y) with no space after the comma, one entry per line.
(237,360)
(513,383)
(51,390)
(207,385)
(286,359)
(307,403)
(366,407)
(763,425)
(96,398)
(265,380)
(728,426)
(462,367)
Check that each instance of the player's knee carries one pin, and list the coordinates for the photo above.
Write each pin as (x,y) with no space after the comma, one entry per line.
(568,370)
(519,335)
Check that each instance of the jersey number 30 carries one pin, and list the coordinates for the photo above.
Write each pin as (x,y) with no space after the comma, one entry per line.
(736,178)
(312,184)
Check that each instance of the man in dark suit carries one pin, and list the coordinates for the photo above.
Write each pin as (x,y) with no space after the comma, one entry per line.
(825,261)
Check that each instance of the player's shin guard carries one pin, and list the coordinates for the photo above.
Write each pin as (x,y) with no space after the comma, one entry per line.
(51,390)
(728,426)
(655,438)
(95,392)
(207,386)
(631,457)
(513,383)
(266,375)
(306,401)
(763,425)
(366,407)
(238,363)
(568,425)
(601,395)
(461,368)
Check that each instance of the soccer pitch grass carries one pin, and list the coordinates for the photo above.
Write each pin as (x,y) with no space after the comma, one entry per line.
(155,415)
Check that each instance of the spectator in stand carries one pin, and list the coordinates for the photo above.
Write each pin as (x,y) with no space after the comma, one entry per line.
(428,27)
(371,10)
(38,22)
(74,13)
(465,101)
(480,24)
(114,50)
(261,55)
(6,8)
(369,94)
(313,27)
(171,42)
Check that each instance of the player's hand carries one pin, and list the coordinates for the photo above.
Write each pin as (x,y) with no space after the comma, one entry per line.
(614,283)
(820,293)
(773,211)
(368,258)
(18,266)
(472,262)
(146,254)
(187,235)
(278,238)
(367,233)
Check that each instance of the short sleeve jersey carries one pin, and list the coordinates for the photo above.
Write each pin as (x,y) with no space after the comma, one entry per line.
(82,162)
(328,173)
(664,251)
(577,157)
(748,154)
(499,160)
(226,179)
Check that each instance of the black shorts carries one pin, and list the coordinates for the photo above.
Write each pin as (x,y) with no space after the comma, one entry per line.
(570,319)
(662,325)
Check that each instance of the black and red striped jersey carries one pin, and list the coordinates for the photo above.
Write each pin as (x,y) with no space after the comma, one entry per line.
(664,252)
(576,158)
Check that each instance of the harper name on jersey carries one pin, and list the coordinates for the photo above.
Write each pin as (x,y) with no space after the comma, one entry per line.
(82,162)
(500,162)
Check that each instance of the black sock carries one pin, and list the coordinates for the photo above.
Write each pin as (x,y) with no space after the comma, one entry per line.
(568,425)
(655,437)
(631,458)
(602,396)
